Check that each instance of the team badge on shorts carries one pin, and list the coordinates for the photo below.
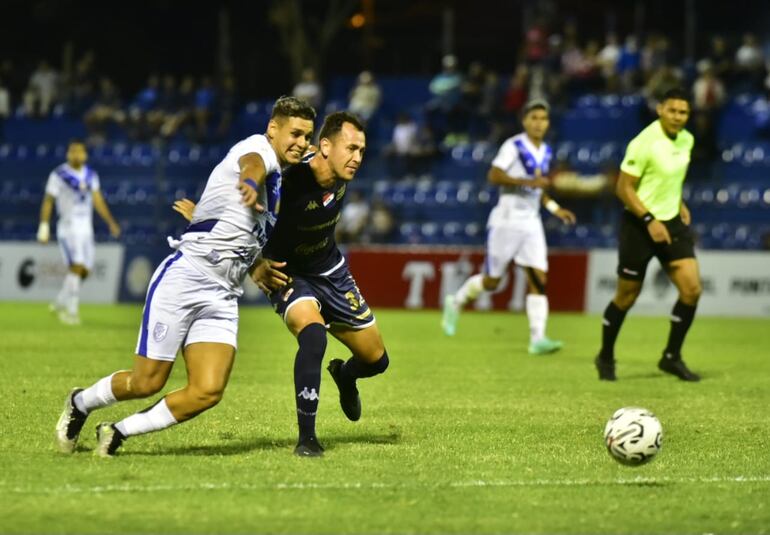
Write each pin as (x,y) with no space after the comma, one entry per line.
(160,331)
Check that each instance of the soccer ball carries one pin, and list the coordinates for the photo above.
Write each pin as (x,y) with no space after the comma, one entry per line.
(633,436)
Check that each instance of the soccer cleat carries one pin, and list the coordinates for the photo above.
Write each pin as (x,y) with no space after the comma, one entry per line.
(350,401)
(309,447)
(68,318)
(108,440)
(70,423)
(677,367)
(450,316)
(545,346)
(606,369)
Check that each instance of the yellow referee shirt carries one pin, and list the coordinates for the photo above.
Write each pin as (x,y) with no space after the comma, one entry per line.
(661,163)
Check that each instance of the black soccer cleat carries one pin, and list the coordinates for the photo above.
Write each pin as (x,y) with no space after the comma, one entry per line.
(677,367)
(309,447)
(606,369)
(108,439)
(70,423)
(350,401)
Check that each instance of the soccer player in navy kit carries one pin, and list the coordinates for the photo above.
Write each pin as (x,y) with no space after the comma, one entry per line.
(320,290)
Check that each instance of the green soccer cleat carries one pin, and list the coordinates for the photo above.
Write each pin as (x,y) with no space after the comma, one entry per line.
(545,346)
(450,317)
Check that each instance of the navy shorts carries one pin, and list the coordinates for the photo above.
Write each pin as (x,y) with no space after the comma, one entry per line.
(337,296)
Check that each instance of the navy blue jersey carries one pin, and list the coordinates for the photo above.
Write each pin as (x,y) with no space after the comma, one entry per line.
(303,237)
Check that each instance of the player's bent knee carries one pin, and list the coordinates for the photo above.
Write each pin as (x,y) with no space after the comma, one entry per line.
(382,364)
(312,339)
(205,398)
(142,386)
(692,293)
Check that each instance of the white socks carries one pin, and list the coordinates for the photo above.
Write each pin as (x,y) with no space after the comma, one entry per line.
(155,418)
(70,293)
(96,396)
(470,290)
(537,313)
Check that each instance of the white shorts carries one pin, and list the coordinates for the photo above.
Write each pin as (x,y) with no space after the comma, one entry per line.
(77,248)
(523,243)
(184,306)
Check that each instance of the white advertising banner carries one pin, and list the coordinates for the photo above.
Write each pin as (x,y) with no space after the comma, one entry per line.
(33,272)
(735,283)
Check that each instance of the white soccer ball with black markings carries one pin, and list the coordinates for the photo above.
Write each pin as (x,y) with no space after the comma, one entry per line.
(633,436)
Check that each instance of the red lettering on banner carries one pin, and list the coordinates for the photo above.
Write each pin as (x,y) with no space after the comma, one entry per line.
(419,277)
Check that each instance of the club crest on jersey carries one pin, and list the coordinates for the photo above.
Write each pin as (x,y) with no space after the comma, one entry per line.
(160,331)
(328,198)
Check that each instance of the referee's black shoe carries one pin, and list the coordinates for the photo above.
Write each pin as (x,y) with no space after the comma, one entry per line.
(350,401)
(676,366)
(606,368)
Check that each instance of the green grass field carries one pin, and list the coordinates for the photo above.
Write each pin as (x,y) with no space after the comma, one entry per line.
(463,435)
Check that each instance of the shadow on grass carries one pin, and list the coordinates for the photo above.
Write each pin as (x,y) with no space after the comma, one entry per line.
(265,444)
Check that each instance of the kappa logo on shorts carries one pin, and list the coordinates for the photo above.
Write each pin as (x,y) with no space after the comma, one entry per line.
(160,331)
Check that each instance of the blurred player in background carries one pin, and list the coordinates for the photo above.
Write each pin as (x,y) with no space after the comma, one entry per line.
(192,300)
(655,222)
(515,230)
(76,189)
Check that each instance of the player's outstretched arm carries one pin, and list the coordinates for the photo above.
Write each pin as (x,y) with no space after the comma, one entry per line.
(185,207)
(498,177)
(268,276)
(104,211)
(626,192)
(44,228)
(252,176)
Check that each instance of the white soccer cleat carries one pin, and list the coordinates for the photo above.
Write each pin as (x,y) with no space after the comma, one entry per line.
(450,316)
(108,440)
(68,318)
(70,423)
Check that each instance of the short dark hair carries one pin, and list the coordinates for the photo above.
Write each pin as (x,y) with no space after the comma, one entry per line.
(535,104)
(292,107)
(334,121)
(676,93)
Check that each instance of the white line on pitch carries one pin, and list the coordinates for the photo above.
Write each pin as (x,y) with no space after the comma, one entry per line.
(98,489)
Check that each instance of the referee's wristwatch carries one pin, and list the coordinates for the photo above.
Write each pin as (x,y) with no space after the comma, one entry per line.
(647,218)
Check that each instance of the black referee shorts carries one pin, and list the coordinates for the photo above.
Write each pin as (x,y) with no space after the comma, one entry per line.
(636,248)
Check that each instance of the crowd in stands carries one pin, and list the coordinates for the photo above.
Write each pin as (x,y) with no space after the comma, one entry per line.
(465,104)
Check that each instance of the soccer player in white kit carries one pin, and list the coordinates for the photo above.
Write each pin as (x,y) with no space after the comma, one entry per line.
(75,188)
(192,300)
(515,229)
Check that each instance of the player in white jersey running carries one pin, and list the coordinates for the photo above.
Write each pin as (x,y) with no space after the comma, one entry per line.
(515,230)
(192,300)
(75,188)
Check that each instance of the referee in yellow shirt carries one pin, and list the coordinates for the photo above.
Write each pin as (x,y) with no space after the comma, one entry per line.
(655,222)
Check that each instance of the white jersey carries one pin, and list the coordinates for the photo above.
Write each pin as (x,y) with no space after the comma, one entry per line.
(519,158)
(73,190)
(225,237)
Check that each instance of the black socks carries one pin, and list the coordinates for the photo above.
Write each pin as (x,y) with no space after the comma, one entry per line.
(681,319)
(611,324)
(357,369)
(307,376)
